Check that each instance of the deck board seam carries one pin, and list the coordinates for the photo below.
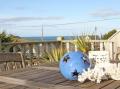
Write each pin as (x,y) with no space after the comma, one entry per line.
(107,84)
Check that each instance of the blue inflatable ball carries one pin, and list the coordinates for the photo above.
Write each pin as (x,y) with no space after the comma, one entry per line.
(72,64)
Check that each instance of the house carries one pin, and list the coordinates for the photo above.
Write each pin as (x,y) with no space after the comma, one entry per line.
(115,39)
(112,45)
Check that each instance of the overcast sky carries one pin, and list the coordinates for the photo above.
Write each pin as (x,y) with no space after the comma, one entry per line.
(26,17)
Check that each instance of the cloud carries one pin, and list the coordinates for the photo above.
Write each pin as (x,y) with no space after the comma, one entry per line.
(17,19)
(105,13)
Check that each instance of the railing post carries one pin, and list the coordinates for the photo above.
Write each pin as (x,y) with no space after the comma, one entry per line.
(14,49)
(31,52)
(92,46)
(101,46)
(23,49)
(40,50)
(76,49)
(47,46)
(68,46)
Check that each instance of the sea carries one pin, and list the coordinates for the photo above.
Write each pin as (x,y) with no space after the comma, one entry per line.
(47,38)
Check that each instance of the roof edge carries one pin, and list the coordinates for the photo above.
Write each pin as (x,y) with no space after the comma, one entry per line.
(113,35)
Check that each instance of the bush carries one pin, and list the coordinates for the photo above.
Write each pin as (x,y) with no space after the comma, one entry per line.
(54,55)
(82,44)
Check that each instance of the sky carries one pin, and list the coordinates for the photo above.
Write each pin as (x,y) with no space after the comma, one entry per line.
(59,17)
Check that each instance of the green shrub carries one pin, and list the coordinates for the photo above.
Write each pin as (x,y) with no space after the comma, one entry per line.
(82,44)
(54,55)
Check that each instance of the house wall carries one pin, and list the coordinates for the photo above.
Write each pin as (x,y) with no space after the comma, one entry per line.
(116,40)
(109,46)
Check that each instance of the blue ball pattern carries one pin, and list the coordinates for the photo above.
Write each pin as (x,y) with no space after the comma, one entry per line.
(72,64)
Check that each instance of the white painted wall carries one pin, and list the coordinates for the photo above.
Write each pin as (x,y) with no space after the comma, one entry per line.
(116,40)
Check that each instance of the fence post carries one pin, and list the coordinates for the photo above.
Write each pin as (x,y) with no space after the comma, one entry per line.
(101,46)
(31,53)
(92,46)
(40,50)
(76,49)
(68,46)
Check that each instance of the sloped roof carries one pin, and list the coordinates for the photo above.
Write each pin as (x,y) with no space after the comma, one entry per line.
(114,35)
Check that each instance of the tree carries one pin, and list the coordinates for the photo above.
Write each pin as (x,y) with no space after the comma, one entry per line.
(109,34)
(4,37)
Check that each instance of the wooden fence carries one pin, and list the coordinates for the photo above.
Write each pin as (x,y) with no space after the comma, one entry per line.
(37,49)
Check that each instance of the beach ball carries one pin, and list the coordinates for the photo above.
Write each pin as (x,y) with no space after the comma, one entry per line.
(72,64)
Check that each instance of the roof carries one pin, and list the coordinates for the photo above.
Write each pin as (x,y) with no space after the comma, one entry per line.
(114,35)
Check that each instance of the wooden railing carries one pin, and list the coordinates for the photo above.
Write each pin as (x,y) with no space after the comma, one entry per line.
(97,45)
(31,49)
(37,49)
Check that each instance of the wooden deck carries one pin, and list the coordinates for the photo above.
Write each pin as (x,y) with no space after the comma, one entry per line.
(47,78)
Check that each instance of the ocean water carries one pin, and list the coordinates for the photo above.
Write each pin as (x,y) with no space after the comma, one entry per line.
(47,38)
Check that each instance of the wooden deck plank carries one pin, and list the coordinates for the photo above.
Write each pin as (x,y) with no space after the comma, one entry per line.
(23,70)
(47,75)
(38,75)
(2,84)
(35,78)
(27,74)
(8,86)
(27,69)
(51,76)
(23,73)
(118,87)
(77,84)
(97,86)
(84,85)
(34,74)
(58,79)
(22,82)
(67,82)
(71,83)
(9,72)
(34,85)
(22,87)
(113,85)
